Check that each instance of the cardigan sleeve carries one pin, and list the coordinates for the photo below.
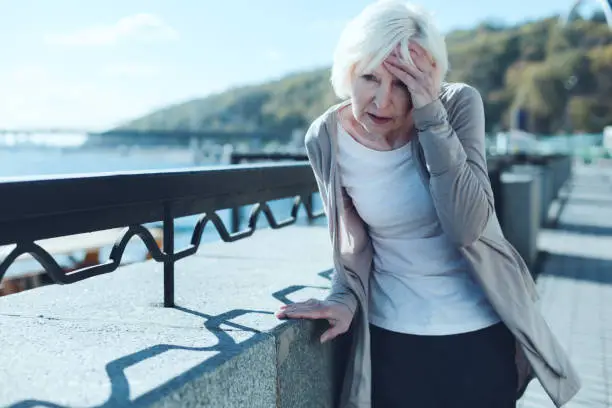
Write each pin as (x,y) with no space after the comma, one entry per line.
(454,151)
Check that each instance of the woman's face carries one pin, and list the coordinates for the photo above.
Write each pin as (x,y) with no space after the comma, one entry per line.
(380,102)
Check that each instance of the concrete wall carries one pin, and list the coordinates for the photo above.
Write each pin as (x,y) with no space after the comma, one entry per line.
(528,191)
(107,340)
(521,213)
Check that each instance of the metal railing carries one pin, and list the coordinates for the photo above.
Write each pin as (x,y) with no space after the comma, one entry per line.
(241,158)
(33,209)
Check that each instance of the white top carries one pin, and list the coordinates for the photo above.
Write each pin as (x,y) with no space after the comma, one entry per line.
(421,283)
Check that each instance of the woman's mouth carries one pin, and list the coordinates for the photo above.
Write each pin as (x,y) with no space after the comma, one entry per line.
(379,120)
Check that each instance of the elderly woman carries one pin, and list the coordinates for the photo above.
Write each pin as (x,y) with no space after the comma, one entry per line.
(441,307)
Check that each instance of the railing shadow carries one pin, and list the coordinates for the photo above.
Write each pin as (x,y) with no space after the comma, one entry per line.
(575,267)
(226,347)
(282,294)
(584,229)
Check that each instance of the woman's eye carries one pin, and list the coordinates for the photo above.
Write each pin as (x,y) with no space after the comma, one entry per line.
(369,77)
(399,84)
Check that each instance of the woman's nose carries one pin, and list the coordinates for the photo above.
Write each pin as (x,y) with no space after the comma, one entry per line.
(382,99)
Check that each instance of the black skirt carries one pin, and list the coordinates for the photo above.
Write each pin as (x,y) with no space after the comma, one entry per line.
(471,370)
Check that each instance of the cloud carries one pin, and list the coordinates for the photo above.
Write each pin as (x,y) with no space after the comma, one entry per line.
(143,26)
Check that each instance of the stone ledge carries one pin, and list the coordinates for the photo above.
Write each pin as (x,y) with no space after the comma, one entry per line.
(107,340)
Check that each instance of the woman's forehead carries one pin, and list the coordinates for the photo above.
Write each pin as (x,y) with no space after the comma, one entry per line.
(374,62)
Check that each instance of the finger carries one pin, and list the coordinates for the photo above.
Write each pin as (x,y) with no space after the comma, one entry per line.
(414,70)
(307,314)
(422,62)
(395,68)
(418,48)
(419,70)
(293,310)
(298,305)
(307,311)
(396,60)
(407,78)
(332,333)
(424,57)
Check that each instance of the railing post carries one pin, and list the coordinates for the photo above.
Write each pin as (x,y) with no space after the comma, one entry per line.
(235,219)
(309,207)
(235,216)
(169,251)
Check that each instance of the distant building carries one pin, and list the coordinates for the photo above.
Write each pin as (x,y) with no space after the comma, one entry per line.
(606,8)
(520,119)
(607,138)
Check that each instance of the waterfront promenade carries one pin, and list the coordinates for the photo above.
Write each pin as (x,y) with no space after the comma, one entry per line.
(107,341)
(575,283)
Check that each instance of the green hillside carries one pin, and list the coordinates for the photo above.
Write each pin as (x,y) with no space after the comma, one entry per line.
(561,77)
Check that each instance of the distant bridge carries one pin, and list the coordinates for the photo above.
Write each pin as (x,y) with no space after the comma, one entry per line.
(38,131)
(153,137)
(182,137)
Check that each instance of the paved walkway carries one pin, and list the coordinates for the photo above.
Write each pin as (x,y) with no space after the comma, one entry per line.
(576,287)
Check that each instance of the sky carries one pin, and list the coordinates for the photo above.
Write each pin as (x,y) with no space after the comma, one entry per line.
(97,63)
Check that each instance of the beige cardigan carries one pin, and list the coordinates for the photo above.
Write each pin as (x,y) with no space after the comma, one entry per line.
(452,163)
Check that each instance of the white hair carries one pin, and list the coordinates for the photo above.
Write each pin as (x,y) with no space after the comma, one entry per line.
(371,36)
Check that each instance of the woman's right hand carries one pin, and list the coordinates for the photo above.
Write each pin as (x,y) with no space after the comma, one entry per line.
(338,315)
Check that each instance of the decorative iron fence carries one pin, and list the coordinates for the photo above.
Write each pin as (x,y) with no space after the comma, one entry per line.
(32,209)
(241,158)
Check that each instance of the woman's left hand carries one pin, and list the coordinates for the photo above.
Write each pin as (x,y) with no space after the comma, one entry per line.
(422,79)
